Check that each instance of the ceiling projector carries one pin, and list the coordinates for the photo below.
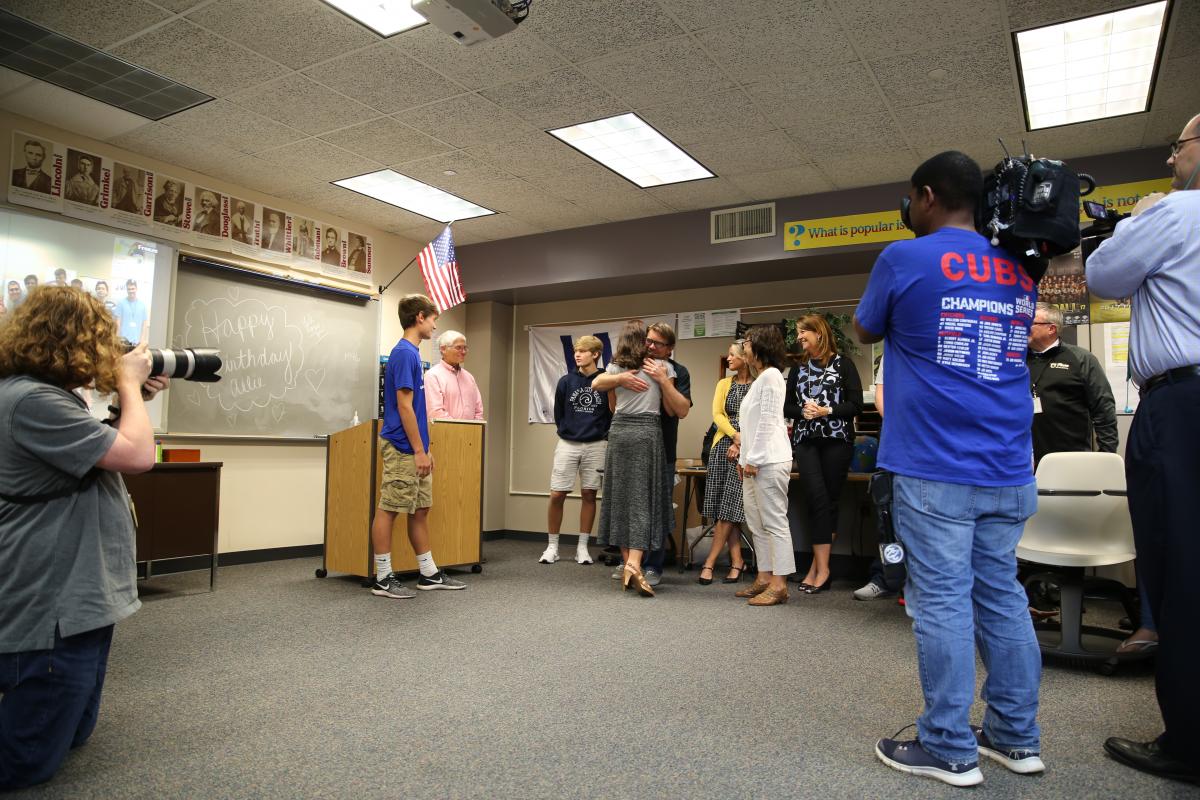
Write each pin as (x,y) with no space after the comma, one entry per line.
(473,21)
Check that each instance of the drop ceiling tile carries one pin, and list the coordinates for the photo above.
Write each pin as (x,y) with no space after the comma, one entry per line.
(628,204)
(772,150)
(790,182)
(710,193)
(659,73)
(698,14)
(1095,138)
(1164,127)
(1024,14)
(871,130)
(841,90)
(470,171)
(424,232)
(465,121)
(918,24)
(1184,30)
(383,78)
(784,46)
(172,145)
(179,6)
(295,33)
(320,160)
(580,181)
(558,215)
(486,229)
(870,169)
(560,98)
(581,31)
(934,127)
(532,153)
(512,57)
(1177,83)
(254,173)
(385,140)
(65,109)
(99,23)
(975,67)
(301,103)
(726,115)
(243,130)
(510,194)
(199,59)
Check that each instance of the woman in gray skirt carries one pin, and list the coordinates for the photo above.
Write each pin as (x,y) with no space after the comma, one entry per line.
(636,511)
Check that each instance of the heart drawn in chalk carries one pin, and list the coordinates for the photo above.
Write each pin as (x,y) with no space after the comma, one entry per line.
(277,412)
(315,378)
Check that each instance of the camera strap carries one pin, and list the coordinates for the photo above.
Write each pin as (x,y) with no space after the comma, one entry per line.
(33,499)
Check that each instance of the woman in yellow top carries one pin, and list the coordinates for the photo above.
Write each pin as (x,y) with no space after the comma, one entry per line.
(723,487)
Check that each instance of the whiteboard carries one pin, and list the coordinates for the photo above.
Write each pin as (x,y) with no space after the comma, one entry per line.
(299,361)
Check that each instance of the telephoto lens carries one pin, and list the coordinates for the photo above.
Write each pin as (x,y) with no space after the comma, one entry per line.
(190,363)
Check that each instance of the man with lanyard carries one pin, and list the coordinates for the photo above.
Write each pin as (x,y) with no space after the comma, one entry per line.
(1071,395)
(1155,257)
(956,311)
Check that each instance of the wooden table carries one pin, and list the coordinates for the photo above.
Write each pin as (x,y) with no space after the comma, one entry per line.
(176,512)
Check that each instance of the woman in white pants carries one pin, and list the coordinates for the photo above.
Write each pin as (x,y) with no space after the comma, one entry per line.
(764,463)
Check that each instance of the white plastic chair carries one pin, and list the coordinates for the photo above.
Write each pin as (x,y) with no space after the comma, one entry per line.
(1082,521)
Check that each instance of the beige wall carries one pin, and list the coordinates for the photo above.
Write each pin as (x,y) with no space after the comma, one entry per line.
(532,445)
(489,333)
(272,494)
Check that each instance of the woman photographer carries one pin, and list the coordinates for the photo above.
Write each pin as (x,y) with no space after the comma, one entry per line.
(66,532)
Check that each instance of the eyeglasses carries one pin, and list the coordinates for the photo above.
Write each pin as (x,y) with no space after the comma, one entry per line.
(656,342)
(1041,323)
(1178,144)
(462,348)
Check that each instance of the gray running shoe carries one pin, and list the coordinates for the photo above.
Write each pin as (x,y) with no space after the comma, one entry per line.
(439,581)
(392,587)
(619,571)
(653,577)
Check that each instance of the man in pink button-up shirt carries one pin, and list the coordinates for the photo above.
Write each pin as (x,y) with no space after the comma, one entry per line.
(451,391)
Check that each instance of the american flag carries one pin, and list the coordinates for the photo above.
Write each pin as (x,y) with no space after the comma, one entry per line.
(439,268)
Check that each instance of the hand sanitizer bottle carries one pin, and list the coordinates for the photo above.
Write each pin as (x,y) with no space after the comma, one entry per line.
(354,421)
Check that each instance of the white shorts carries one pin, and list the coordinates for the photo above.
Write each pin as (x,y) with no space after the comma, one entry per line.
(584,459)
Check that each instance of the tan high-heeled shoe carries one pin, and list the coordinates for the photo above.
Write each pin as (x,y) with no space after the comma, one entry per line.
(753,590)
(770,597)
(634,577)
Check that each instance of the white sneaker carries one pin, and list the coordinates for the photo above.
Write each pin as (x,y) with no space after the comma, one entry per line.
(872,591)
(582,556)
(616,576)
(549,556)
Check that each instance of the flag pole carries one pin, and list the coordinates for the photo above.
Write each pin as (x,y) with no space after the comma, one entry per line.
(383,289)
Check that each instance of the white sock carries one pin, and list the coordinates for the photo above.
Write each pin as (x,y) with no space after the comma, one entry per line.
(553,545)
(383,566)
(426,565)
(582,543)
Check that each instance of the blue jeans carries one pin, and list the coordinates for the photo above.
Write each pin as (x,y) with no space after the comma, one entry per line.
(962,592)
(50,704)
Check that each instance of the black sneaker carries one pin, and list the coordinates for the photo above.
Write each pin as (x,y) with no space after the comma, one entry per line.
(392,587)
(439,581)
(1022,762)
(914,759)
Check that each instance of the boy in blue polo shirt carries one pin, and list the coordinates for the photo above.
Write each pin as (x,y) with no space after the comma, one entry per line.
(407,463)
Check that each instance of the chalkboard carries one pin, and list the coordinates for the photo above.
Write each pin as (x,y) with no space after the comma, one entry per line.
(298,361)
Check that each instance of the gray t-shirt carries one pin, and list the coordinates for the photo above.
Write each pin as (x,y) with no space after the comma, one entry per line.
(647,402)
(67,562)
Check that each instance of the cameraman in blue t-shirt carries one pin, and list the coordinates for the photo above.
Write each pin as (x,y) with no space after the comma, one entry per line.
(955,312)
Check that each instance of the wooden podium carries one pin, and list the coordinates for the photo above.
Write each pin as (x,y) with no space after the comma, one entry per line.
(354,474)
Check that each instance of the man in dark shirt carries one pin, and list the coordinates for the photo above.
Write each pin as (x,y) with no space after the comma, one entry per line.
(1071,395)
(32,176)
(660,340)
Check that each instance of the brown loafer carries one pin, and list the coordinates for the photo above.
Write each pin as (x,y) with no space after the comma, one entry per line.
(752,590)
(770,597)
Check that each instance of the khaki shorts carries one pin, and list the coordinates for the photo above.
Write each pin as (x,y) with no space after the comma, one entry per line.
(584,459)
(402,491)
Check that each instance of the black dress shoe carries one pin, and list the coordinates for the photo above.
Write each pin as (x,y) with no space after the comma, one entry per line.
(1149,757)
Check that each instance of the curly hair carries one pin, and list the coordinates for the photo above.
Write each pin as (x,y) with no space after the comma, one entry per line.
(61,336)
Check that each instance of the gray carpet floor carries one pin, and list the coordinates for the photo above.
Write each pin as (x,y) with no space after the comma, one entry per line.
(542,682)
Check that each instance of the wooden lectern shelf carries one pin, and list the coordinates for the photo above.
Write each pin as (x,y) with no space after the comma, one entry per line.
(354,474)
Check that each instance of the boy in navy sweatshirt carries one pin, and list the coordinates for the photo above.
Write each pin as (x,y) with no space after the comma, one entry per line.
(582,416)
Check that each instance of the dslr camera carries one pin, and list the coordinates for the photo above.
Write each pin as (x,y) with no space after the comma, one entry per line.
(199,364)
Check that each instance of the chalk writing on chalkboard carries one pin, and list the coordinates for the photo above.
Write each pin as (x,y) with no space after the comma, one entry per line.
(262,351)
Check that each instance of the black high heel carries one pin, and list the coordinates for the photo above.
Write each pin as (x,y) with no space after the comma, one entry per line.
(738,579)
(705,581)
(809,588)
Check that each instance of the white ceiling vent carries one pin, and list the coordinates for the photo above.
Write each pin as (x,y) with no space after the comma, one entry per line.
(736,224)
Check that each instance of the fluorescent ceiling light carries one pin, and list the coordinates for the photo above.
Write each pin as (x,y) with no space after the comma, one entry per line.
(1090,68)
(385,17)
(635,151)
(402,191)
